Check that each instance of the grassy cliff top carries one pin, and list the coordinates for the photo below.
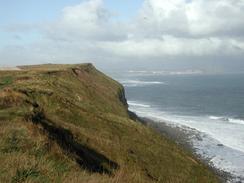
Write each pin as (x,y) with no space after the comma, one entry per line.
(69,123)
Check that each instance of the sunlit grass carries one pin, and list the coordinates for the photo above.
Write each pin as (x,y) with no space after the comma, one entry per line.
(85,103)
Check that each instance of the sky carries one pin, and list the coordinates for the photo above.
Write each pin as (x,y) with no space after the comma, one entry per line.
(165,34)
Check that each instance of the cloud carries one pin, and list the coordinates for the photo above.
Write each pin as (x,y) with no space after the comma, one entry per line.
(89,31)
(179,27)
(215,17)
(88,20)
(193,18)
(172,46)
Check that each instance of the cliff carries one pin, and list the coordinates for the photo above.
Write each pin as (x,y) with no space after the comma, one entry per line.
(70,123)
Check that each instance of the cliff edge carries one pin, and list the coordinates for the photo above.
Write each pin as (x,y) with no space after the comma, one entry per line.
(70,123)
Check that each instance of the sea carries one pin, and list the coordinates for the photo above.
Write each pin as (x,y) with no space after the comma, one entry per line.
(211,105)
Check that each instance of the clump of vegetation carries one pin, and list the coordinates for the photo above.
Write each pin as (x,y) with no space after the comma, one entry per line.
(69,123)
(22,175)
(6,80)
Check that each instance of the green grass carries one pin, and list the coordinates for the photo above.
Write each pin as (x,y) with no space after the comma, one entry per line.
(58,121)
(22,175)
(5,81)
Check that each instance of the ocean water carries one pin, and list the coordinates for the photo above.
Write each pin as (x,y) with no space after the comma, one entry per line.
(210,105)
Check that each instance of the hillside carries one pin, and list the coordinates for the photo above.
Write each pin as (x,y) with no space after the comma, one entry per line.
(69,123)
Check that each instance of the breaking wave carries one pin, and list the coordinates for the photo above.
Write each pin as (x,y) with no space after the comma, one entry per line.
(221,142)
(134,83)
(226,119)
(135,104)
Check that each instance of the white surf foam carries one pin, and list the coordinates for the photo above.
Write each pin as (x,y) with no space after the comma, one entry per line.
(226,119)
(236,121)
(136,104)
(134,83)
(215,117)
(222,139)
(164,72)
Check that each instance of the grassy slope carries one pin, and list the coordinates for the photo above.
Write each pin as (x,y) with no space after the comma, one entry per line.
(69,123)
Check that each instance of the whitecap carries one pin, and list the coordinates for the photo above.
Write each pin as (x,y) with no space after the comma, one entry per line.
(134,83)
(137,104)
(215,117)
(226,119)
(236,121)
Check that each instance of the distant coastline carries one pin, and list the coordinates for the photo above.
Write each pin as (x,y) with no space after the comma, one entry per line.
(2,68)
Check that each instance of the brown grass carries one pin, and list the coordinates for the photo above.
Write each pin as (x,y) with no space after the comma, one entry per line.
(88,106)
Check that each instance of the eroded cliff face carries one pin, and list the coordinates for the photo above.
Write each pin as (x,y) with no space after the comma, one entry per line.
(70,123)
(122,98)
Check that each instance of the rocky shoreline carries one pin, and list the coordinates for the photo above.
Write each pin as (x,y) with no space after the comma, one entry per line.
(182,138)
